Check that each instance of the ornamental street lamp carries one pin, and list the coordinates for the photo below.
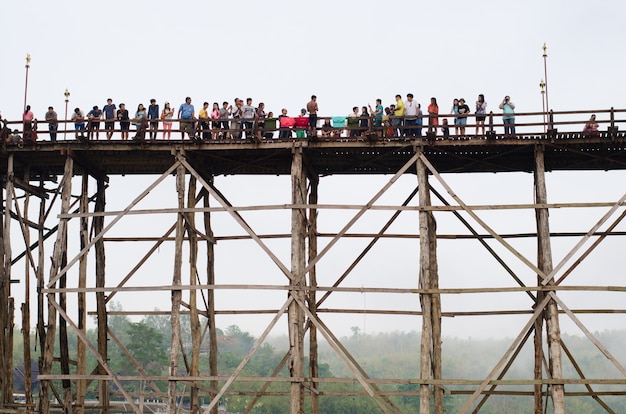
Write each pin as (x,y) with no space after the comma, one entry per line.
(67,100)
(545,73)
(542,86)
(26,83)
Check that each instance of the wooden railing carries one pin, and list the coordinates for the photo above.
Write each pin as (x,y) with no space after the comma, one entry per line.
(553,124)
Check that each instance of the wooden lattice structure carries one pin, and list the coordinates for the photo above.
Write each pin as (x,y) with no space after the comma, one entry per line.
(31,176)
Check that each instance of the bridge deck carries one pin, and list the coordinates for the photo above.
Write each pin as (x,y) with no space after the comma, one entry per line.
(362,155)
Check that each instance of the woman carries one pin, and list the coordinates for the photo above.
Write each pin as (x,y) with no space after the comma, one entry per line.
(364,123)
(591,128)
(27,119)
(259,114)
(166,116)
(481,110)
(215,120)
(140,122)
(463,112)
(122,116)
(508,115)
(433,115)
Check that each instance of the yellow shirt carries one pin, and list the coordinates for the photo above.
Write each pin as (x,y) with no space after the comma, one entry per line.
(203,114)
(399,108)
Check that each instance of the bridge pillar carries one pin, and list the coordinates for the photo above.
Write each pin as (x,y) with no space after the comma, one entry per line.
(544,262)
(298,265)
(430,350)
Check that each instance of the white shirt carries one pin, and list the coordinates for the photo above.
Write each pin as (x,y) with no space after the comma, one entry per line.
(410,108)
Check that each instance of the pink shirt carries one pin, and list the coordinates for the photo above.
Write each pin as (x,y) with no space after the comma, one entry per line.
(28,116)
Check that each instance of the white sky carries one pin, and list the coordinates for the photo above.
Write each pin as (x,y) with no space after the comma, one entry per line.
(348,54)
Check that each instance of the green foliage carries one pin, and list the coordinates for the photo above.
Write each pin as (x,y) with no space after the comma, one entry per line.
(383,355)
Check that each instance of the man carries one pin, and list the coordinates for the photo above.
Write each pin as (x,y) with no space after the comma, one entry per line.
(410,113)
(109,117)
(53,125)
(237,113)
(203,118)
(94,117)
(79,122)
(420,121)
(312,109)
(187,115)
(153,116)
(225,112)
(398,115)
(249,115)
(285,129)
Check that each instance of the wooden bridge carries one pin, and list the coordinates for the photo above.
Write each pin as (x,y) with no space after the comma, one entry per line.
(41,249)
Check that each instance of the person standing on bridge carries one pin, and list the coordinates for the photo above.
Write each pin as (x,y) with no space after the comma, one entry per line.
(187,115)
(312,109)
(140,122)
(166,116)
(464,111)
(153,116)
(53,124)
(481,111)
(109,117)
(27,120)
(398,116)
(433,115)
(508,117)
(79,122)
(93,123)
(124,118)
(410,113)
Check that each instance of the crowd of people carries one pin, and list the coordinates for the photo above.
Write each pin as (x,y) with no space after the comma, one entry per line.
(244,120)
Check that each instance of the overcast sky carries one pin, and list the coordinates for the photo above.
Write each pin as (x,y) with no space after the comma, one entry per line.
(348,54)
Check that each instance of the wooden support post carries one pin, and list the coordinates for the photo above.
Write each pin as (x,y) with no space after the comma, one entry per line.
(81,355)
(298,265)
(208,231)
(430,350)
(41,331)
(545,265)
(176,293)
(25,307)
(313,347)
(101,299)
(64,349)
(6,346)
(194,319)
(58,257)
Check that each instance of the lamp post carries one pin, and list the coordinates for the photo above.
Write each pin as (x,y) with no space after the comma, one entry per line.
(542,85)
(545,74)
(26,83)
(67,100)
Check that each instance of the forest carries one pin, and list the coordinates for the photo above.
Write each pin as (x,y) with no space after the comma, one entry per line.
(382,355)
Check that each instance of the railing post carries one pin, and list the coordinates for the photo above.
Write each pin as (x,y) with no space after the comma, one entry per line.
(491,134)
(551,129)
(612,127)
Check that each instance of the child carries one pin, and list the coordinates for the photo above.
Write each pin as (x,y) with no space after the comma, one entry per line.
(16,138)
(444,128)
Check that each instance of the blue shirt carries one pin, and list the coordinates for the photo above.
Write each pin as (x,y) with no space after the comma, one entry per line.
(379,111)
(153,111)
(109,111)
(186,111)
